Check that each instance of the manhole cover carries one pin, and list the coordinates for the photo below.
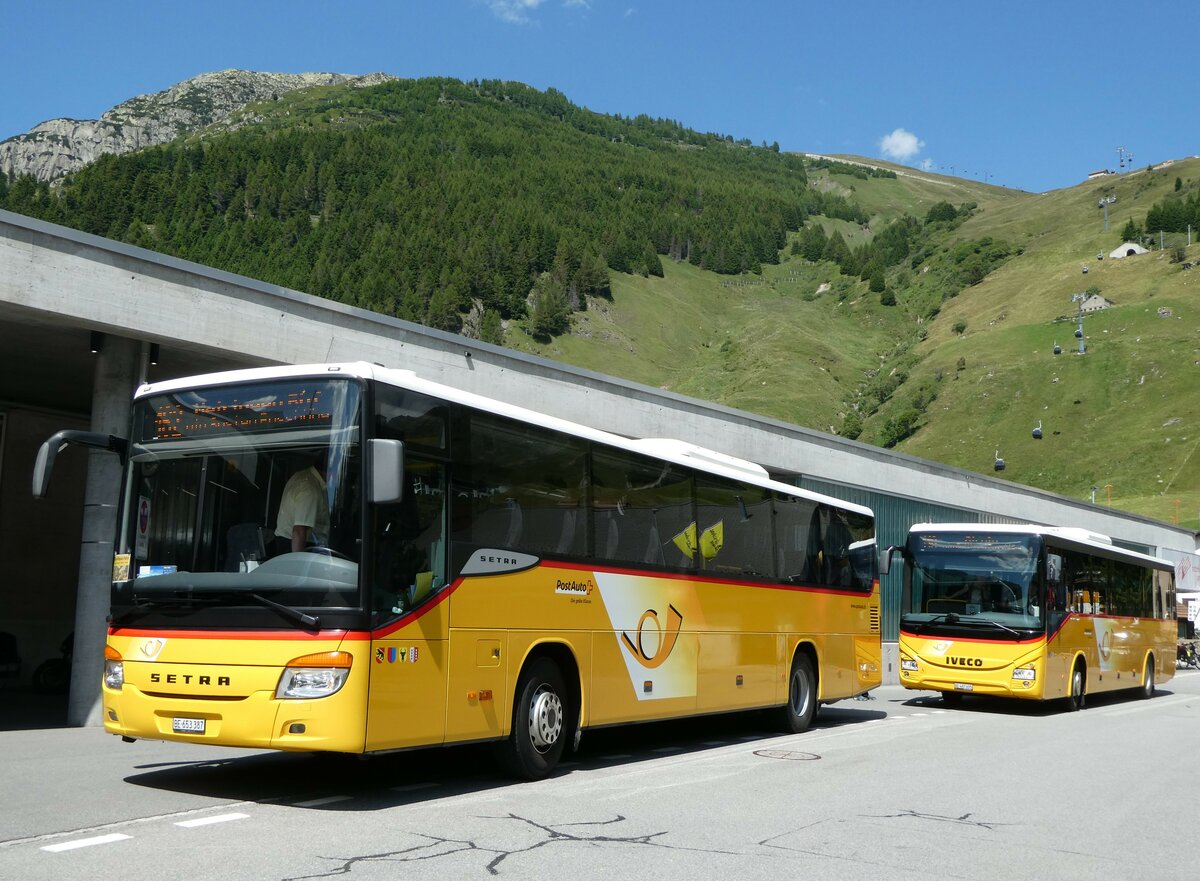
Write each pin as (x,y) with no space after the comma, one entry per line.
(788,754)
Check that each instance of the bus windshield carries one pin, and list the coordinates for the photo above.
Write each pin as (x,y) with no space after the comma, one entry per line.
(243,495)
(972,580)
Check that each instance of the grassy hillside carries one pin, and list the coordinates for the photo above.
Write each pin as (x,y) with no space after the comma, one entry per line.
(1123,418)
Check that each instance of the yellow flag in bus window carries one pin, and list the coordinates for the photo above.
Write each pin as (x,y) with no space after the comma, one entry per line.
(712,539)
(686,541)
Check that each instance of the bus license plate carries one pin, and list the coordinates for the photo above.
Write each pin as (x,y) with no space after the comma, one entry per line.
(963,686)
(187,726)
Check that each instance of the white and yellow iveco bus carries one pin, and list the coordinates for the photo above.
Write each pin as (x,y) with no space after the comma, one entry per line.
(487,574)
(1033,612)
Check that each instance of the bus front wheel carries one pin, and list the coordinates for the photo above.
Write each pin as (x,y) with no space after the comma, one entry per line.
(539,725)
(1076,697)
(801,708)
(1147,690)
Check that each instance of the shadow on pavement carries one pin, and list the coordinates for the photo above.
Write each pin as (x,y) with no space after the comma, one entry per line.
(988,705)
(352,783)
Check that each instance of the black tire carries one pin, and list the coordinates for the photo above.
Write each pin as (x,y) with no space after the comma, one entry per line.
(1077,693)
(1147,689)
(952,698)
(801,708)
(539,723)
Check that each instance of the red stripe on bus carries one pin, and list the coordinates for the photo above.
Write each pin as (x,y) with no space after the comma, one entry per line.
(138,633)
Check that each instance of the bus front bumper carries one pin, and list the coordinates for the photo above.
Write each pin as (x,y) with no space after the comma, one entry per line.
(256,721)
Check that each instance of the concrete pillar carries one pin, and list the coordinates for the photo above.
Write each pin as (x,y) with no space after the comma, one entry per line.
(117,370)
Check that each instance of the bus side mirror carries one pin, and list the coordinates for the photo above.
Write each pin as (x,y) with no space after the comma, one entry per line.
(43,466)
(885,559)
(387,471)
(1053,568)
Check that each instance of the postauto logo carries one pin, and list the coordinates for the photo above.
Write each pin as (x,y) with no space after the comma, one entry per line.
(666,637)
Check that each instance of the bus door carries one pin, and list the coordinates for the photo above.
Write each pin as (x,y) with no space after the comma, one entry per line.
(410,614)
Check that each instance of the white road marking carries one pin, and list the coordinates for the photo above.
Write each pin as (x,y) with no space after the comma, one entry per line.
(85,842)
(208,821)
(118,824)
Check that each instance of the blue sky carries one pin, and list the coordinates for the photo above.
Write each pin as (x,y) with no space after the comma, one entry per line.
(1032,95)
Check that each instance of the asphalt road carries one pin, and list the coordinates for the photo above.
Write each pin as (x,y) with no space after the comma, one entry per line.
(898,787)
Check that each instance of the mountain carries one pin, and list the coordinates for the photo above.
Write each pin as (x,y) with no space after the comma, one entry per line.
(58,147)
(906,309)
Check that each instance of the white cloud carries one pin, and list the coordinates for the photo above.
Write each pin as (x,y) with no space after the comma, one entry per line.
(901,145)
(514,11)
(519,11)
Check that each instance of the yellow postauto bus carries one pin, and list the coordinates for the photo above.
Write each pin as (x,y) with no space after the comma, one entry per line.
(1032,612)
(468,571)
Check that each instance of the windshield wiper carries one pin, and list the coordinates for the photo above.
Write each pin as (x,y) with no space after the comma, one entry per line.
(1005,627)
(146,605)
(288,612)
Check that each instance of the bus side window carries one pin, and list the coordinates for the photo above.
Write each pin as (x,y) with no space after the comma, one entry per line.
(517,487)
(835,550)
(795,535)
(641,510)
(410,545)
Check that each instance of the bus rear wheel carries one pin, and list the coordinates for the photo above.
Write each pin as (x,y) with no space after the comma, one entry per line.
(801,708)
(539,723)
(1147,690)
(1077,694)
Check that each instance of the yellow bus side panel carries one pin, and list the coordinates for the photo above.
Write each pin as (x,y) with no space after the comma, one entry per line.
(478,699)
(663,647)
(408,672)
(738,670)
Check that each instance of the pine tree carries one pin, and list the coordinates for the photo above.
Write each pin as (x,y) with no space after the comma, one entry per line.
(551,312)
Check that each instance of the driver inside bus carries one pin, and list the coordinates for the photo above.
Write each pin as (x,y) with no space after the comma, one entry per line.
(304,510)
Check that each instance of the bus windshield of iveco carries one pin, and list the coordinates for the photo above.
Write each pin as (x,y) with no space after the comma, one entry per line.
(972,581)
(216,477)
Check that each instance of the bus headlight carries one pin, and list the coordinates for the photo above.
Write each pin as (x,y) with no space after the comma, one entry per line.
(316,675)
(908,664)
(114,669)
(1029,674)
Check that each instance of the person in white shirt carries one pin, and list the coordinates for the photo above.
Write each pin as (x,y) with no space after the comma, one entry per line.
(304,510)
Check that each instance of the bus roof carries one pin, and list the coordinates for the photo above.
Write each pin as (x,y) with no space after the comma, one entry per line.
(665,449)
(1074,534)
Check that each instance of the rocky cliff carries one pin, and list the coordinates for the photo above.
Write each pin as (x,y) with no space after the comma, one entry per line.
(59,146)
